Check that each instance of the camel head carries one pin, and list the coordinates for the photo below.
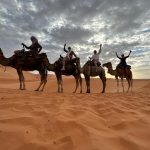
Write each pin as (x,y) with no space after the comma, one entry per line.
(61,57)
(107,65)
(1,52)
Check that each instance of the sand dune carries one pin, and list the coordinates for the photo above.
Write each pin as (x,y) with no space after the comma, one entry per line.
(47,120)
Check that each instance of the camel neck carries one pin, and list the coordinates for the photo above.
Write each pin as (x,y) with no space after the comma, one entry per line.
(4,61)
(111,71)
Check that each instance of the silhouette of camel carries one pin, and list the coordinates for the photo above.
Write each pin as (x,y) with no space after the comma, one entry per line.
(122,73)
(26,64)
(70,69)
(89,69)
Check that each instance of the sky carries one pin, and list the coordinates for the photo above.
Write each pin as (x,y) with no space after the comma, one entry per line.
(119,25)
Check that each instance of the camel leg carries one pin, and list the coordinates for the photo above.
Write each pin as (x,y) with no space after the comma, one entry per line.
(20,82)
(23,82)
(40,85)
(87,79)
(77,83)
(42,80)
(58,86)
(131,80)
(104,84)
(103,78)
(129,84)
(58,82)
(45,80)
(44,83)
(80,81)
(122,84)
(61,84)
(21,79)
(117,84)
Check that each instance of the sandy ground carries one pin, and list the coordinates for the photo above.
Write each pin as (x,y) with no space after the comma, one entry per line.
(47,120)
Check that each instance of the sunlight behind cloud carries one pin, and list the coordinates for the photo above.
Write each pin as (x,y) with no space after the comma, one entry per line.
(120,26)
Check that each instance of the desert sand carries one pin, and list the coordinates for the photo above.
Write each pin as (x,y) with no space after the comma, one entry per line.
(47,120)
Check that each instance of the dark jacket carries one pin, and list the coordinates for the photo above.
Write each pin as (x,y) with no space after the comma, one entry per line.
(35,48)
(123,62)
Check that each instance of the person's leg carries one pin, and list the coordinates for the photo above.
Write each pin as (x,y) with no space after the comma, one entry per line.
(95,63)
(78,67)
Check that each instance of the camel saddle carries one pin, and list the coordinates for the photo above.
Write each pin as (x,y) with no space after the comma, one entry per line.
(23,55)
(128,67)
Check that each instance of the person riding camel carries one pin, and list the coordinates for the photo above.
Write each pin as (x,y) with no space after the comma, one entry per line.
(95,57)
(35,47)
(69,56)
(123,63)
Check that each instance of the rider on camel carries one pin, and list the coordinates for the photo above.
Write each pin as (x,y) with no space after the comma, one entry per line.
(95,56)
(69,56)
(123,63)
(35,47)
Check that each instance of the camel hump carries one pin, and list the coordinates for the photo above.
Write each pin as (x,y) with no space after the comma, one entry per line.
(19,52)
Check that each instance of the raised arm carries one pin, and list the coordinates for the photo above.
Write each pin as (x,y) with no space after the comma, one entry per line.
(129,54)
(100,49)
(65,48)
(118,56)
(27,47)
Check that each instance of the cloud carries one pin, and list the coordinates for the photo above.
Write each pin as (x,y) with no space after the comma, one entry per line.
(73,34)
(118,25)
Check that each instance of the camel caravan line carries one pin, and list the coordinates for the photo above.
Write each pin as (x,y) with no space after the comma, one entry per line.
(70,65)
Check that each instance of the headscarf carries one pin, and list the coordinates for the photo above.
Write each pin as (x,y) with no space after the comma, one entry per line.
(34,39)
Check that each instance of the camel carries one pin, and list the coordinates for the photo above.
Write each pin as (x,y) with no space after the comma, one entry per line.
(27,64)
(89,69)
(70,69)
(118,72)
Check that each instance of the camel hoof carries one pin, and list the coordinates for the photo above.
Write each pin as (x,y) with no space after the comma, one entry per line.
(103,92)
(88,92)
(36,90)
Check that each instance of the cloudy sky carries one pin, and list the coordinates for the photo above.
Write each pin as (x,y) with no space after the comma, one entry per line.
(120,25)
